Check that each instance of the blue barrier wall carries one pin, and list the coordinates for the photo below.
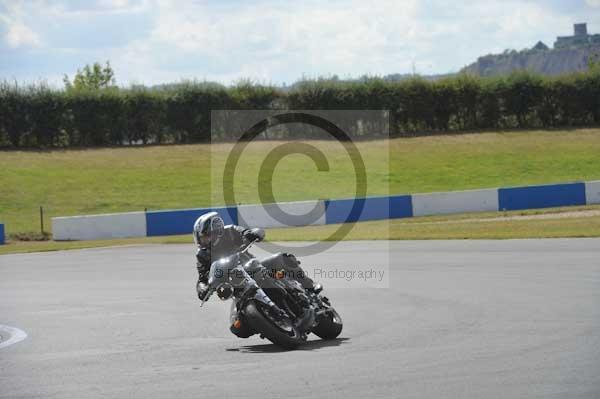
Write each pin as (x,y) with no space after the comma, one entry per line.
(374,208)
(164,223)
(532,197)
(1,234)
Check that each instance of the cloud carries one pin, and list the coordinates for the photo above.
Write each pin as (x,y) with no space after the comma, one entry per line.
(593,3)
(118,4)
(266,40)
(90,9)
(157,41)
(17,32)
(275,41)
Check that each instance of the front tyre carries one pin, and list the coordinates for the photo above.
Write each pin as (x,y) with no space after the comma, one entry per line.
(329,325)
(280,333)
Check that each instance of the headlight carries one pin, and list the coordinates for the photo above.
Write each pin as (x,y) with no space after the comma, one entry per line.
(224,291)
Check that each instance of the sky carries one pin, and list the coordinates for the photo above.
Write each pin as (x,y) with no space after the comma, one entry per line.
(273,42)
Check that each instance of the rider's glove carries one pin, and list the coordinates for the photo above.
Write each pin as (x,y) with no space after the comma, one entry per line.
(255,234)
(202,289)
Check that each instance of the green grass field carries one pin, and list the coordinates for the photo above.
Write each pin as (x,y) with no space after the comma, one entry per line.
(72,182)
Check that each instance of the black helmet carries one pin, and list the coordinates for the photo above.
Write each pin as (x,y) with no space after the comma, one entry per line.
(208,229)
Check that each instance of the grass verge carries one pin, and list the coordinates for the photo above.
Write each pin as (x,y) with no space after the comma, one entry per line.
(90,181)
(583,221)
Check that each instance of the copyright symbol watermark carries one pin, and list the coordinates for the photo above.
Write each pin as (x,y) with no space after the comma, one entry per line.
(308,134)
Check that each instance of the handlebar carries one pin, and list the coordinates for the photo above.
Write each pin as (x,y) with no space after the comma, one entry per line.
(247,247)
(208,295)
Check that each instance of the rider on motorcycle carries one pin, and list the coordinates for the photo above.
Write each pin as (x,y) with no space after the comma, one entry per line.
(215,241)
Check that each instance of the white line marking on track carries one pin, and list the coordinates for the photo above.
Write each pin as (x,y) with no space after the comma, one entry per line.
(14,335)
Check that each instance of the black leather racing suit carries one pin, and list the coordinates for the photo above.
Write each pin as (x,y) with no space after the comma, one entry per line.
(232,239)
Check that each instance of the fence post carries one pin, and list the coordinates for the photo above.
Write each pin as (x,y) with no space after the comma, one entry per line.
(42,220)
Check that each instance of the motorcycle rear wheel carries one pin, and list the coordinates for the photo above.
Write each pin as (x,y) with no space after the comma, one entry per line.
(263,324)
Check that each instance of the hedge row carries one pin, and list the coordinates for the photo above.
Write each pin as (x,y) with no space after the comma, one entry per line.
(36,116)
(39,116)
(520,100)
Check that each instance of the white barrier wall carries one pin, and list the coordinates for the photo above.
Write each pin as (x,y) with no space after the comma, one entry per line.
(262,215)
(455,202)
(95,227)
(592,192)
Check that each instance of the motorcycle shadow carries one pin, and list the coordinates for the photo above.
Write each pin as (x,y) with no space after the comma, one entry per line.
(272,348)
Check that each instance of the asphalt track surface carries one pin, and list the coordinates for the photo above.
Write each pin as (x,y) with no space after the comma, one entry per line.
(460,319)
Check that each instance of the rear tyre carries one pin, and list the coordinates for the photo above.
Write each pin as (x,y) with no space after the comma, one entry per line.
(329,325)
(286,337)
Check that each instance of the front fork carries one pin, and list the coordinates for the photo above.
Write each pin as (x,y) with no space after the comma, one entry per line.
(251,291)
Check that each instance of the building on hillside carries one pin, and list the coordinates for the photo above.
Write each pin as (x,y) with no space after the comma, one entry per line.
(580,29)
(540,46)
(580,38)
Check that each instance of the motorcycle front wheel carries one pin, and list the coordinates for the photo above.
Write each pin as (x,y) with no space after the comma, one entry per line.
(280,333)
(329,325)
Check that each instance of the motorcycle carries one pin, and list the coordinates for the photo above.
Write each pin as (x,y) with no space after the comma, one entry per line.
(275,306)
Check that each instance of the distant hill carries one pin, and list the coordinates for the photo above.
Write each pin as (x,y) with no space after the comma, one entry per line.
(570,54)
(547,62)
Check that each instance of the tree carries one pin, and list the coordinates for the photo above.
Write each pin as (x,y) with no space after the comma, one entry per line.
(91,78)
(594,62)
